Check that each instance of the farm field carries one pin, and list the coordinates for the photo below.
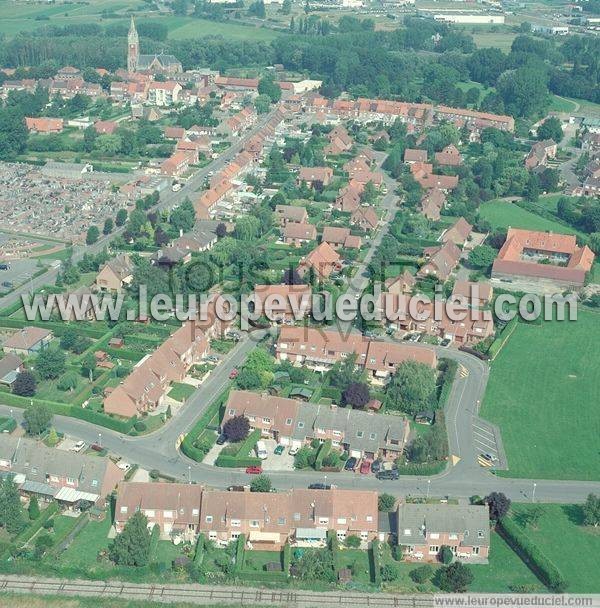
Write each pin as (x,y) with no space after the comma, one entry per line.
(502,214)
(187,27)
(541,401)
(572,547)
(501,40)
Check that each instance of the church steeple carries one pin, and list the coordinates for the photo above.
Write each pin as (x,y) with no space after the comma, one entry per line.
(133,47)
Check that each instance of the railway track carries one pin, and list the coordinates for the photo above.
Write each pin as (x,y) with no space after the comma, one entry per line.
(210,595)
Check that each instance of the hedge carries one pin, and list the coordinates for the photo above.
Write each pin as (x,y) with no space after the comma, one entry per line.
(374,561)
(154,538)
(8,425)
(187,445)
(233,462)
(287,557)
(57,327)
(447,383)
(123,353)
(75,411)
(263,577)
(240,552)
(75,526)
(532,555)
(498,343)
(422,469)
(324,449)
(200,550)
(334,547)
(24,536)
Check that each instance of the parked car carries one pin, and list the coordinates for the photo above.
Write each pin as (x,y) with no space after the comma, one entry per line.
(77,447)
(391,474)
(320,486)
(293,450)
(124,466)
(96,447)
(221,439)
(254,470)
(4,266)
(279,449)
(261,450)
(7,284)
(233,373)
(350,464)
(445,342)
(365,467)
(212,358)
(376,466)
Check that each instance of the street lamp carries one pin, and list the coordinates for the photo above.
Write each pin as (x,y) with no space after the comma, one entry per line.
(189,473)
(428,486)
(533,493)
(100,439)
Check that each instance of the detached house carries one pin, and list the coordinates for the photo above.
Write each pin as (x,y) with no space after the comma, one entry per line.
(340,238)
(163,93)
(323,260)
(540,152)
(315,177)
(115,274)
(432,203)
(284,303)
(440,261)
(296,234)
(27,341)
(415,156)
(458,233)
(290,213)
(423,529)
(44,125)
(365,218)
(449,157)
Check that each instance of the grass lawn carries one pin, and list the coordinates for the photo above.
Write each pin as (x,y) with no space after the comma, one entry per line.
(501,40)
(188,27)
(561,104)
(358,562)
(256,560)
(543,393)
(504,571)
(574,548)
(180,391)
(83,550)
(502,214)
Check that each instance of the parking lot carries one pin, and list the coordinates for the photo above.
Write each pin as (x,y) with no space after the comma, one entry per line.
(19,272)
(487,441)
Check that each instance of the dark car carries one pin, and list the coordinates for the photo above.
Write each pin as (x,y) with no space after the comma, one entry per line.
(320,486)
(221,439)
(350,464)
(393,474)
(376,466)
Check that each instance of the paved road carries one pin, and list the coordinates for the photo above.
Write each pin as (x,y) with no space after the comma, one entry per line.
(168,199)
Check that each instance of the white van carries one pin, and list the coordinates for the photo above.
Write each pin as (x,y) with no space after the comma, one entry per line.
(261,450)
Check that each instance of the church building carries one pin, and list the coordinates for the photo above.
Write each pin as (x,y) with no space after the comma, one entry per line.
(152,64)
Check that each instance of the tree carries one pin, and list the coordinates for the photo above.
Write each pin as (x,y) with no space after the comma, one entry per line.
(183,217)
(236,428)
(261,483)
(262,104)
(88,365)
(13,133)
(221,230)
(68,381)
(25,384)
(121,217)
(455,578)
(248,379)
(591,510)
(37,418)
(532,188)
(386,502)
(33,510)
(445,555)
(50,363)
(42,543)
(421,574)
(11,510)
(352,541)
(482,256)
(52,438)
(344,373)
(109,226)
(411,388)
(551,128)
(246,228)
(499,505)
(524,90)
(132,546)
(92,235)
(356,395)
(268,86)
(389,573)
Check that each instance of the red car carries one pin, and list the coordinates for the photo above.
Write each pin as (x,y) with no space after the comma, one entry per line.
(234,373)
(255,470)
(365,467)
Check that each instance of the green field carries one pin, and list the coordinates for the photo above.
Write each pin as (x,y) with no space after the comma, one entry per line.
(543,393)
(572,547)
(501,40)
(17,17)
(561,104)
(181,391)
(502,214)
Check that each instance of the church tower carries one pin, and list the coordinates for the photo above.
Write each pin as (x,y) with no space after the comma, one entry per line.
(133,48)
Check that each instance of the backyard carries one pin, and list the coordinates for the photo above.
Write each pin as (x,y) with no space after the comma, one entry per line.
(502,214)
(572,547)
(532,397)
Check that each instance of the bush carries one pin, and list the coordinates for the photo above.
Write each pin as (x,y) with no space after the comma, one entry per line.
(200,550)
(445,555)
(237,428)
(389,572)
(140,426)
(376,568)
(323,451)
(531,554)
(386,502)
(421,574)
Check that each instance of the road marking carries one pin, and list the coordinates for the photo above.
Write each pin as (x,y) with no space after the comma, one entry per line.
(483,462)
(483,430)
(454,460)
(487,447)
(464,372)
(484,439)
